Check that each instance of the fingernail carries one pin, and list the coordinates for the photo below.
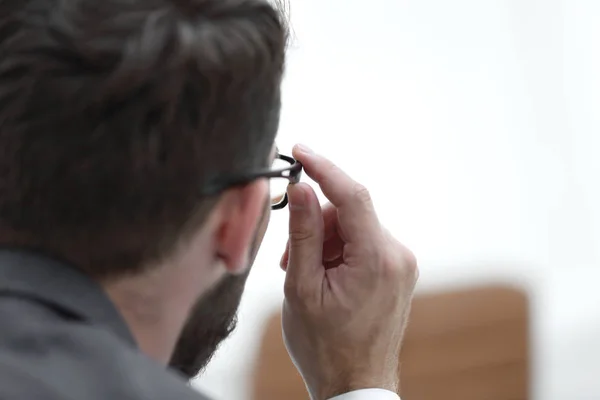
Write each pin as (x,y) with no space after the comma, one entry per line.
(296,197)
(305,149)
(281,261)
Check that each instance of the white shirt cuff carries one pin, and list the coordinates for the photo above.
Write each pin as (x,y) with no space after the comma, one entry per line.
(368,394)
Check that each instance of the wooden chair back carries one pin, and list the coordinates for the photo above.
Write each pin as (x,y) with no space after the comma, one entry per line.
(463,345)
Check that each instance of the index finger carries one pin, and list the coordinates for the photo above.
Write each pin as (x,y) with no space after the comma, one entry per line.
(353,201)
(337,186)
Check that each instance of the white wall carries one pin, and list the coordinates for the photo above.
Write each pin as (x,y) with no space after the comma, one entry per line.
(483,117)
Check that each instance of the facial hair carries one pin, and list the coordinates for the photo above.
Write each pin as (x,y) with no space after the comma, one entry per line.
(214,317)
(211,321)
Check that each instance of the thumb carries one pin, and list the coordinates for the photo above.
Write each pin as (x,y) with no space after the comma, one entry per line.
(306,238)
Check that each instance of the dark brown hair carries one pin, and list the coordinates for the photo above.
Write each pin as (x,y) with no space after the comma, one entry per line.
(114,114)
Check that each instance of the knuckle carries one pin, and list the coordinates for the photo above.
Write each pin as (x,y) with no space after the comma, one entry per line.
(327,170)
(412,269)
(361,193)
(332,167)
(402,264)
(300,236)
(410,260)
(328,175)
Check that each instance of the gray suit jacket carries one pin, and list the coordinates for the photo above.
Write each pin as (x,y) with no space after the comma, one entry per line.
(61,338)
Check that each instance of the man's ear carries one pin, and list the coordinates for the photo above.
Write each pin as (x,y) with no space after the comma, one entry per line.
(242,209)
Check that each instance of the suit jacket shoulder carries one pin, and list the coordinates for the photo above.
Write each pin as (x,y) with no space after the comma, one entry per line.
(82,362)
(62,338)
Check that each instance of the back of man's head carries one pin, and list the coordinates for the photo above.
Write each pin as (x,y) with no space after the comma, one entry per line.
(115,113)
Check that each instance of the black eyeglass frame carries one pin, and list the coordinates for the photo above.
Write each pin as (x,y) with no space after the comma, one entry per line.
(293,173)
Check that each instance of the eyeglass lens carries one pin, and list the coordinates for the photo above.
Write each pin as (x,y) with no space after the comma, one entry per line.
(278,185)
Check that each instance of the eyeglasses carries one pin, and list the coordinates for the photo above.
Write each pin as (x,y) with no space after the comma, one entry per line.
(284,171)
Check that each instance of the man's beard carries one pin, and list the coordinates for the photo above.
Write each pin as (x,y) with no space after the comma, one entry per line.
(211,321)
(213,317)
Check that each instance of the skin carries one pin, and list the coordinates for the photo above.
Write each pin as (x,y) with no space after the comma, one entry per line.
(348,285)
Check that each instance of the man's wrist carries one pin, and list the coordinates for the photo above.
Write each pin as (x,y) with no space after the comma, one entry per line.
(368,394)
(333,391)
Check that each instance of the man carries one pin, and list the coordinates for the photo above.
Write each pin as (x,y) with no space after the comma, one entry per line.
(136,140)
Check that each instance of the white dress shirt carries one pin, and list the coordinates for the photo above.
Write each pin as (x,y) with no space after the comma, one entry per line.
(368,394)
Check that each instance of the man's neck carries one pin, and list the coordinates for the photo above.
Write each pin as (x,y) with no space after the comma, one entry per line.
(156,306)
(154,321)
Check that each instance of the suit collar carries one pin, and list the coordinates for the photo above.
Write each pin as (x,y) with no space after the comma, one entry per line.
(62,286)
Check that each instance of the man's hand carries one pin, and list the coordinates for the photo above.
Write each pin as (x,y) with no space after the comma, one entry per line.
(348,286)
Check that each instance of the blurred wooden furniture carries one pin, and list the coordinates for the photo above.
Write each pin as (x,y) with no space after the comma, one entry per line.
(463,345)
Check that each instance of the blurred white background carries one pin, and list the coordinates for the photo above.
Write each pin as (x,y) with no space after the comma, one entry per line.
(475,123)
